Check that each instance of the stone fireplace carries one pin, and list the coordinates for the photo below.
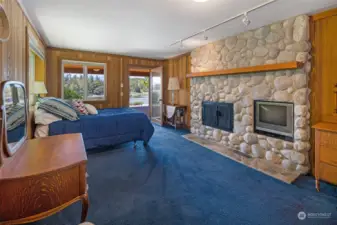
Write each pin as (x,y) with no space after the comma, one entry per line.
(280,42)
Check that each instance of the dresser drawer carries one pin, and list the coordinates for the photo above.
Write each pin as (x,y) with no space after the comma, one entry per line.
(328,139)
(37,194)
(328,155)
(328,173)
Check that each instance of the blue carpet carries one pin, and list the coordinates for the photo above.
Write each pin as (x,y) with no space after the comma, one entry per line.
(174,181)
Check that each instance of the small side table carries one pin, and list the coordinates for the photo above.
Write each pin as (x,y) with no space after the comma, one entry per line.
(175,115)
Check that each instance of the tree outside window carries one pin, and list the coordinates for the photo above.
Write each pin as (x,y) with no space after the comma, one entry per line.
(139,91)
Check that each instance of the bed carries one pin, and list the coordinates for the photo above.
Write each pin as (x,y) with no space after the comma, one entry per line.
(109,127)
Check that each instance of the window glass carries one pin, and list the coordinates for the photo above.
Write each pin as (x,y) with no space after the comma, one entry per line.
(73,85)
(95,82)
(84,81)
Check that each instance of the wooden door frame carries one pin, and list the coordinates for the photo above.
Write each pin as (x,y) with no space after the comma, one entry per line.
(126,77)
(139,75)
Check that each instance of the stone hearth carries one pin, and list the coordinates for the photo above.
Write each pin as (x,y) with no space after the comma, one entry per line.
(284,41)
(262,165)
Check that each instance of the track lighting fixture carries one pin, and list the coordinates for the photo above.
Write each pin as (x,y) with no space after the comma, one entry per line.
(181,45)
(205,36)
(245,19)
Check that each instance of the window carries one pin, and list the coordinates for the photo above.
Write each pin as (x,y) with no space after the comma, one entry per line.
(36,65)
(83,80)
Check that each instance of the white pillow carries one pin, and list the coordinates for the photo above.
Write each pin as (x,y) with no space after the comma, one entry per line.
(41,131)
(91,109)
(45,118)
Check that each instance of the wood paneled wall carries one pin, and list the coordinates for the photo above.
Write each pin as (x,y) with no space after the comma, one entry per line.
(178,67)
(13,58)
(14,53)
(117,73)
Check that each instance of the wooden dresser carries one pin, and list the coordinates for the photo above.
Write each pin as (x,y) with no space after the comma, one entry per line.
(43,177)
(325,153)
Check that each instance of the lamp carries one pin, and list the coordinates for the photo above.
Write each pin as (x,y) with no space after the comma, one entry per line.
(173,85)
(39,88)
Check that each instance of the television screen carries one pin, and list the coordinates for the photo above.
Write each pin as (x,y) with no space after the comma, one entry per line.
(273,114)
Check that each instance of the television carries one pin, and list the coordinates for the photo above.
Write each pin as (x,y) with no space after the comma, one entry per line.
(274,119)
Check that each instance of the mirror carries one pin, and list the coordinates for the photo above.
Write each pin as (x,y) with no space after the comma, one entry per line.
(4,25)
(14,115)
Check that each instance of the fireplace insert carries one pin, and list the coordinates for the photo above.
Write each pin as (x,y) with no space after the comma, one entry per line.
(275,119)
(218,115)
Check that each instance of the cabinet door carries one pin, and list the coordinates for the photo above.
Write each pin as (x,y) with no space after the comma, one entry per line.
(225,117)
(209,114)
(324,80)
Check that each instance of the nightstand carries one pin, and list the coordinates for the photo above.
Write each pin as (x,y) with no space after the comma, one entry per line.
(174,115)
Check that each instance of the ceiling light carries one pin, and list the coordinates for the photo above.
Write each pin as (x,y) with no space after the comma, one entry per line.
(200,0)
(245,19)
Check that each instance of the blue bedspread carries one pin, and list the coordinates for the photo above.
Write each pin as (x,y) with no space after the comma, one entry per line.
(108,127)
(16,134)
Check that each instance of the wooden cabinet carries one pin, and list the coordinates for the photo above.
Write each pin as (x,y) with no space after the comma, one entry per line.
(325,153)
(327,173)
(323,81)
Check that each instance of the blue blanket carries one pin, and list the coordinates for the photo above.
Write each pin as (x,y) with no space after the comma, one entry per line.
(108,127)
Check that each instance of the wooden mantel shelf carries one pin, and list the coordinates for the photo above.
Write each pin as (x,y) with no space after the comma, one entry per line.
(250,69)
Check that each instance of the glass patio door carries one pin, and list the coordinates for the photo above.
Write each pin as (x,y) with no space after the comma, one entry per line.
(156,95)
